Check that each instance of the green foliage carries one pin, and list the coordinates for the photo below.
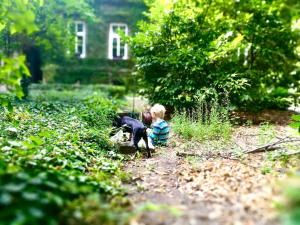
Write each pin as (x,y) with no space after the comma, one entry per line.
(204,124)
(291,206)
(24,24)
(67,92)
(15,17)
(245,50)
(53,163)
(125,11)
(18,16)
(11,74)
(296,122)
(55,20)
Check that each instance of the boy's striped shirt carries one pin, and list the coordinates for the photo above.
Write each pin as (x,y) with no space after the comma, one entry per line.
(160,132)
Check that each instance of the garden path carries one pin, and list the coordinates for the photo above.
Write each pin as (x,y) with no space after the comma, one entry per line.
(211,188)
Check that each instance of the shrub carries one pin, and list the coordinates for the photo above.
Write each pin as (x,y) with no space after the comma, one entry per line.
(88,71)
(75,91)
(239,49)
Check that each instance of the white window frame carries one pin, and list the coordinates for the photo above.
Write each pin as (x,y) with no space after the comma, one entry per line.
(112,36)
(83,35)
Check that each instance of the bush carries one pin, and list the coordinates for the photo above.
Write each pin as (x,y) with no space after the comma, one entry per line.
(88,71)
(188,49)
(75,91)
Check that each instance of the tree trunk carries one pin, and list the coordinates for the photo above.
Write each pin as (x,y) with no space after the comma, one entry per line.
(34,63)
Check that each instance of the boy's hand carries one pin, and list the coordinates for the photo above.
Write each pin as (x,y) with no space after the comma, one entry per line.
(149,131)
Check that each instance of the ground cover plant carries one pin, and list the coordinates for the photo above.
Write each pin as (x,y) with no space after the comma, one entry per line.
(54,167)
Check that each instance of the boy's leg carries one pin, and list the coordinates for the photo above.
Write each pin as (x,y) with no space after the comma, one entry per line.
(150,142)
(118,137)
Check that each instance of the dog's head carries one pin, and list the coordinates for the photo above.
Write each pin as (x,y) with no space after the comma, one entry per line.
(117,121)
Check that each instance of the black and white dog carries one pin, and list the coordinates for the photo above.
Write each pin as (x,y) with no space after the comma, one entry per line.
(137,130)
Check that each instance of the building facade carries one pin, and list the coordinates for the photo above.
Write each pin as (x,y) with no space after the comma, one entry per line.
(101,54)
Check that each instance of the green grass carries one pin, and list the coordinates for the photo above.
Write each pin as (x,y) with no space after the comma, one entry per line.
(203,126)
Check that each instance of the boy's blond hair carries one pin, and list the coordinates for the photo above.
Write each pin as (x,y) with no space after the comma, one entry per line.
(159,111)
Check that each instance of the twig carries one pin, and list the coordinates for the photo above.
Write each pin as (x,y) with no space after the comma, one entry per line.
(293,153)
(184,154)
(263,149)
(272,146)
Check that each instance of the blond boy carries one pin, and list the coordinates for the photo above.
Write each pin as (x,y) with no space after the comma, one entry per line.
(159,133)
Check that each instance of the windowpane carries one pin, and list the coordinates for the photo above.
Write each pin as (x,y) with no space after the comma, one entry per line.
(79,27)
(122,51)
(115,48)
(79,49)
(79,40)
(122,28)
(115,29)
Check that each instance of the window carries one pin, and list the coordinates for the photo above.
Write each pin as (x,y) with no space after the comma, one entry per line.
(80,40)
(117,49)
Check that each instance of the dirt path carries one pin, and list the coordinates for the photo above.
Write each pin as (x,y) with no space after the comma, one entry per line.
(208,189)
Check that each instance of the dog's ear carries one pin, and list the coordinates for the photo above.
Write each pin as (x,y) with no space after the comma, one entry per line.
(146,118)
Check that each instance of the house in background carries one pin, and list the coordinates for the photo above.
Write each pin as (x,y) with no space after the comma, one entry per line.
(101,55)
